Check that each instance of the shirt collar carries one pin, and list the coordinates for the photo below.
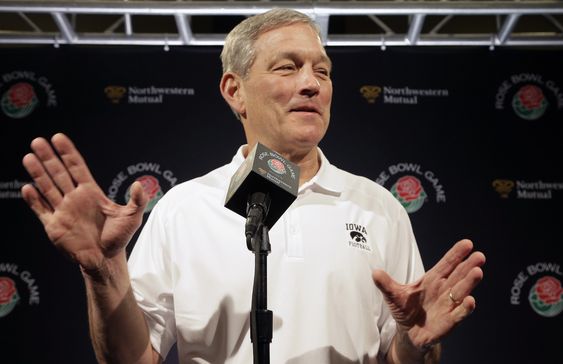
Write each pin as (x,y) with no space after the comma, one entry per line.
(327,180)
(238,158)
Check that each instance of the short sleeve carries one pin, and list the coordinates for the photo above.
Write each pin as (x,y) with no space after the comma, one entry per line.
(152,281)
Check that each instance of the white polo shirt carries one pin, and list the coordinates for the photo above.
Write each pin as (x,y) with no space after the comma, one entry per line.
(192,274)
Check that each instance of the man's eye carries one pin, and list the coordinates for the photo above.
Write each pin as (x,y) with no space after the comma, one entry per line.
(286,67)
(323,73)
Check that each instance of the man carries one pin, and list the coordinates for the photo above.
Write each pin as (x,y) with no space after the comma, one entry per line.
(190,276)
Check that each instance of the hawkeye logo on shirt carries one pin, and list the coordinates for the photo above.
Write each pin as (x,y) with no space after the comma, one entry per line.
(358,237)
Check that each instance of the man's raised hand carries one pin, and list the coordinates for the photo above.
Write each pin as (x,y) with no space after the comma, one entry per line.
(431,307)
(78,217)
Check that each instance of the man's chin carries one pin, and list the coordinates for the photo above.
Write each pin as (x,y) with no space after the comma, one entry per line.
(308,140)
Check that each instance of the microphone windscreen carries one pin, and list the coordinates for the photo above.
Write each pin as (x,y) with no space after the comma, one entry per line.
(266,171)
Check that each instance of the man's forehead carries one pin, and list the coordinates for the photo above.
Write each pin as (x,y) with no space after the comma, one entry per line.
(288,46)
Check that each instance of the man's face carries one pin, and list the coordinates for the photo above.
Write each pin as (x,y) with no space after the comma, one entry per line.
(287,92)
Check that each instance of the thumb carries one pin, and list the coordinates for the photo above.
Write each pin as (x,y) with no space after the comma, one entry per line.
(385,283)
(139,198)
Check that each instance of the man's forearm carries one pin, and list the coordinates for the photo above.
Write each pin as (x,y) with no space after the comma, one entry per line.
(117,326)
(402,351)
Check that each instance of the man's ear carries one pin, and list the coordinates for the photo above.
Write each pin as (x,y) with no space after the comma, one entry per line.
(231,89)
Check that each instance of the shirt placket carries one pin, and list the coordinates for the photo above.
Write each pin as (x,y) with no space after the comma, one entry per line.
(294,236)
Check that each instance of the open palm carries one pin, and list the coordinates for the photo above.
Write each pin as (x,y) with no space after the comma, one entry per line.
(78,217)
(431,307)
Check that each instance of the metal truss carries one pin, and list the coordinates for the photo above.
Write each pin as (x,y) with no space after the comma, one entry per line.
(342,23)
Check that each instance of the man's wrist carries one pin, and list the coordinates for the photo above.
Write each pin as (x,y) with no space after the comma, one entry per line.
(107,271)
(404,350)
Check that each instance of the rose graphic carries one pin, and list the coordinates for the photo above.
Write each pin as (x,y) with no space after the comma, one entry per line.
(529,102)
(546,296)
(19,101)
(530,96)
(408,190)
(151,186)
(7,290)
(549,290)
(21,94)
(276,166)
(8,296)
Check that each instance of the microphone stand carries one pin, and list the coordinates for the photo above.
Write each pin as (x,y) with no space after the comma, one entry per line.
(261,327)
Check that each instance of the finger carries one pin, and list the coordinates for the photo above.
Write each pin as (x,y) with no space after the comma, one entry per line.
(43,181)
(72,159)
(476,259)
(391,290)
(36,203)
(464,287)
(139,198)
(464,309)
(452,258)
(52,165)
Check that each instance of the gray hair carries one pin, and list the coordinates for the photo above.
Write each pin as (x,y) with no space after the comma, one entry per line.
(238,53)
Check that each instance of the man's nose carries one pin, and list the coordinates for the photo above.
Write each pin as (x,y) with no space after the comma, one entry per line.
(310,85)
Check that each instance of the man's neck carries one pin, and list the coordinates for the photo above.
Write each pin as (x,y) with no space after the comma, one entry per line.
(309,165)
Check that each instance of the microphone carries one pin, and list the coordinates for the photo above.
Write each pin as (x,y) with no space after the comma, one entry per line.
(262,188)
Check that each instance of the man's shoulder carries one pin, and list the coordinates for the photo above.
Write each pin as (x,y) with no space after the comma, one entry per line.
(211,185)
(366,191)
(357,182)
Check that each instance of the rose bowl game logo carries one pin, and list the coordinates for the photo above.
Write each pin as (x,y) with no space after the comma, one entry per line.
(276,166)
(19,101)
(9,296)
(546,296)
(409,182)
(529,95)
(154,180)
(529,102)
(23,92)
(18,289)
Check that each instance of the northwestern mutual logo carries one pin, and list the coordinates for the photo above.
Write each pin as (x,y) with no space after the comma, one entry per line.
(403,95)
(530,190)
(11,189)
(144,95)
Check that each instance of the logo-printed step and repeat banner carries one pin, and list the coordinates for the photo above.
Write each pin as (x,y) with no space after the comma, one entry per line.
(468,140)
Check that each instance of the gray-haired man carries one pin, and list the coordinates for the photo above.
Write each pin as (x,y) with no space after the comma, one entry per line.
(347,283)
